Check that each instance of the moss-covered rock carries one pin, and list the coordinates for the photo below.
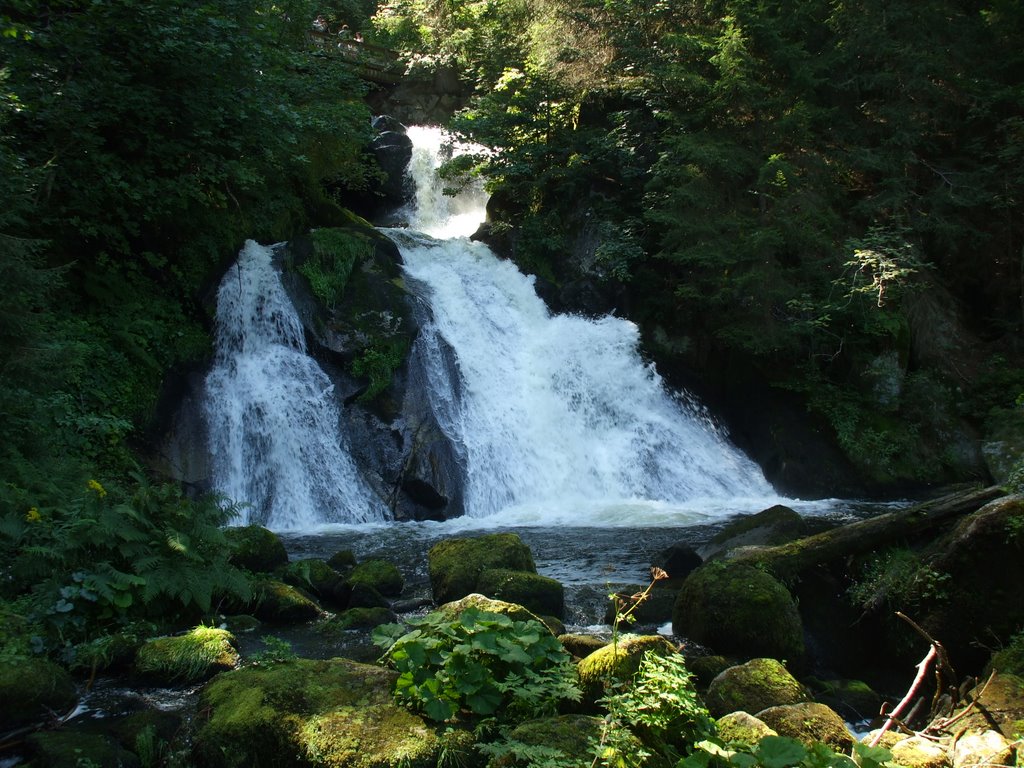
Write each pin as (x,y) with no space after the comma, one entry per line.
(240,623)
(752,687)
(853,699)
(581,646)
(572,737)
(365,596)
(281,603)
(68,748)
(256,549)
(738,610)
(775,525)
(456,564)
(335,713)
(310,574)
(998,704)
(32,688)
(356,618)
(809,722)
(342,560)
(1008,660)
(189,658)
(707,668)
(742,727)
(919,752)
(656,608)
(617,663)
(555,624)
(481,603)
(540,594)
(379,574)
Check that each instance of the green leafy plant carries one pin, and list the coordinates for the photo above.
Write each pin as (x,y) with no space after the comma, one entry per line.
(479,664)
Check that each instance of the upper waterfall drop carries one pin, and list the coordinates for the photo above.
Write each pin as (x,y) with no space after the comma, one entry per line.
(553,410)
(274,437)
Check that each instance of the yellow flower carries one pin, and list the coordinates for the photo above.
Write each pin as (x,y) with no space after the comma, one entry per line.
(33,516)
(95,486)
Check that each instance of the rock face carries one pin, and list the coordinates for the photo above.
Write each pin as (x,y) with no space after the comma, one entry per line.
(740,610)
(335,713)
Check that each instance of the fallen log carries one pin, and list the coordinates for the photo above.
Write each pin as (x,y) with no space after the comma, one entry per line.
(786,561)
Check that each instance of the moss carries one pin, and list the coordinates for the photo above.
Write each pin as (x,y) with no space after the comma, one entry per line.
(739,610)
(742,727)
(513,610)
(356,618)
(540,594)
(853,699)
(278,602)
(775,525)
(1001,707)
(336,713)
(707,668)
(256,549)
(809,722)
(456,564)
(752,687)
(617,663)
(379,574)
(310,573)
(377,364)
(334,255)
(69,748)
(187,658)
(31,688)
(581,646)
(342,560)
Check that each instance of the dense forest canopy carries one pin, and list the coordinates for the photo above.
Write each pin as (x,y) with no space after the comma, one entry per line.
(828,192)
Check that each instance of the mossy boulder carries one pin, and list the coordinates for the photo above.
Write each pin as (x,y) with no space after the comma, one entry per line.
(1008,660)
(362,595)
(739,610)
(853,699)
(775,525)
(919,752)
(256,549)
(752,687)
(196,655)
(67,748)
(809,722)
(356,618)
(280,603)
(707,668)
(617,663)
(342,560)
(32,688)
(456,564)
(656,608)
(311,574)
(580,645)
(742,727)
(571,737)
(540,594)
(678,560)
(333,714)
(514,611)
(379,574)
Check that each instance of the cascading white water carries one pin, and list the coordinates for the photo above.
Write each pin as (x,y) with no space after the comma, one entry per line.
(554,411)
(274,435)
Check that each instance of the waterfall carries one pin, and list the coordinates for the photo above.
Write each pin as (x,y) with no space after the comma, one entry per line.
(274,436)
(551,411)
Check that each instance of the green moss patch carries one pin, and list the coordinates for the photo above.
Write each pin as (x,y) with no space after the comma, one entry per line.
(379,574)
(617,663)
(456,564)
(329,266)
(256,549)
(540,594)
(187,658)
(31,688)
(279,602)
(752,687)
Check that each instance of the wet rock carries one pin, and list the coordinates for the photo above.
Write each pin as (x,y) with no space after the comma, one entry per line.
(277,602)
(678,560)
(809,722)
(363,595)
(581,646)
(342,560)
(379,574)
(514,611)
(311,574)
(753,687)
(356,618)
(393,150)
(775,525)
(656,608)
(739,610)
(197,655)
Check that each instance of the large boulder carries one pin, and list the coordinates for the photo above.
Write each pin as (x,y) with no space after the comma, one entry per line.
(809,722)
(256,549)
(480,602)
(742,727)
(313,575)
(188,658)
(775,525)
(393,150)
(540,594)
(753,687)
(379,574)
(278,602)
(33,688)
(455,564)
(335,713)
(740,610)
